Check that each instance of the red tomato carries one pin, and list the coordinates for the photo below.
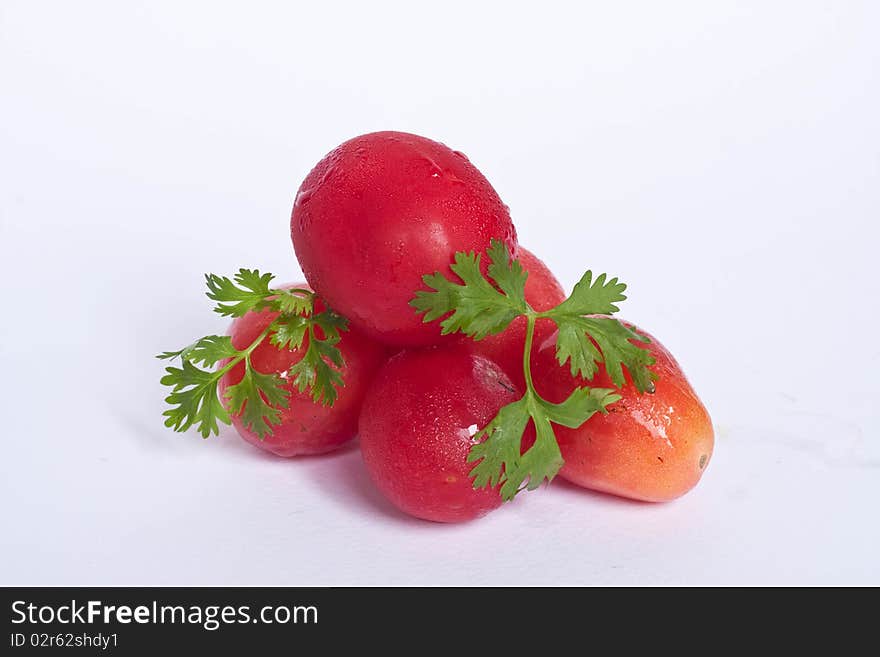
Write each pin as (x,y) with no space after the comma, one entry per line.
(651,447)
(543,292)
(381,211)
(417,427)
(306,427)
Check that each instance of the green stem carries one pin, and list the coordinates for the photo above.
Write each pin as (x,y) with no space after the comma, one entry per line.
(244,354)
(527,352)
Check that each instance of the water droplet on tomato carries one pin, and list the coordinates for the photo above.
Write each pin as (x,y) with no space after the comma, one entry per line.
(436,171)
(305,220)
(329,172)
(302,197)
(461,155)
(455,180)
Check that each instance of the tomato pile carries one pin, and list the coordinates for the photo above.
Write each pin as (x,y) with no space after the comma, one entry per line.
(425,329)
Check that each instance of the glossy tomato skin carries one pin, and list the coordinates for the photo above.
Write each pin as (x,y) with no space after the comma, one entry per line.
(650,447)
(417,427)
(306,427)
(543,292)
(381,211)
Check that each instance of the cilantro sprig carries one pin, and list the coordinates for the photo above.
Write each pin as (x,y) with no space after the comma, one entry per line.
(258,397)
(478,306)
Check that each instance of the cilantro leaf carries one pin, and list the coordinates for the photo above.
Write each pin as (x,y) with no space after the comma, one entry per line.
(588,341)
(573,345)
(193,399)
(498,446)
(614,339)
(290,330)
(314,372)
(500,456)
(591,297)
(208,350)
(249,291)
(319,368)
(540,462)
(292,301)
(257,397)
(580,406)
(478,308)
(330,324)
(508,275)
(585,341)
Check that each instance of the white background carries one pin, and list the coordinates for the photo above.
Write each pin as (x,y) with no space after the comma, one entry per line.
(722,158)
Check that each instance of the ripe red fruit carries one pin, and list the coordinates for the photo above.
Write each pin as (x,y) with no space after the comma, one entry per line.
(651,447)
(381,211)
(417,427)
(543,292)
(306,427)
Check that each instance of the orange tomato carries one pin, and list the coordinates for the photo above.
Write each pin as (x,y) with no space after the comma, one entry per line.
(652,446)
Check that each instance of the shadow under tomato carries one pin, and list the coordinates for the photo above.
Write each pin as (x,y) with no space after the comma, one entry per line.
(339,475)
(230,440)
(568,488)
(342,476)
